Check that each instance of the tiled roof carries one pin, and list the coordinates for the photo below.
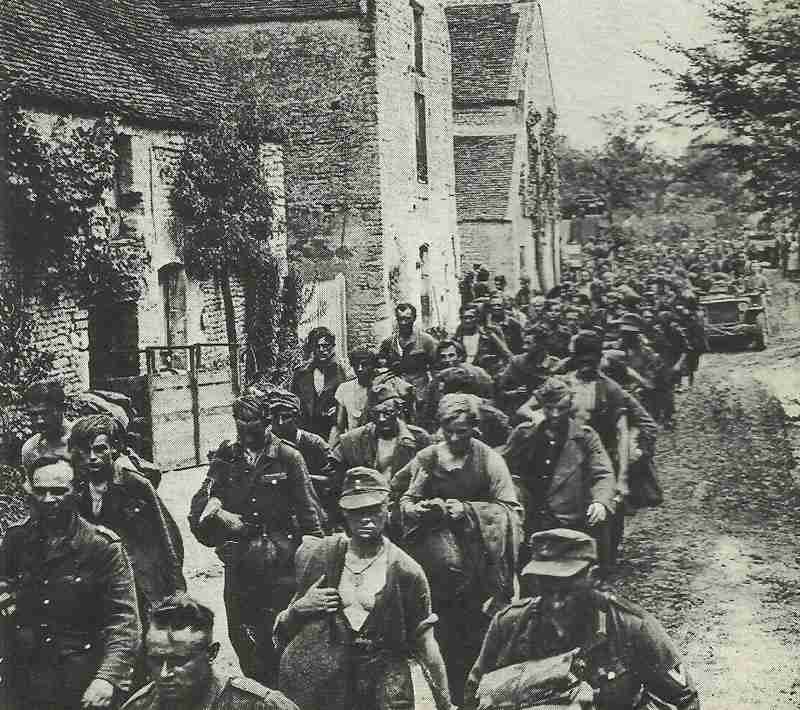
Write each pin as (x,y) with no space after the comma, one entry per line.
(483,176)
(118,55)
(199,11)
(482,40)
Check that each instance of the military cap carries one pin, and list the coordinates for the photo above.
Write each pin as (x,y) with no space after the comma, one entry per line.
(384,392)
(587,343)
(616,357)
(553,391)
(281,399)
(560,553)
(631,323)
(362,488)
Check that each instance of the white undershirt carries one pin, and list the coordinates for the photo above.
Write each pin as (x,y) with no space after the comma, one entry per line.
(97,492)
(471,346)
(319,380)
(358,591)
(385,454)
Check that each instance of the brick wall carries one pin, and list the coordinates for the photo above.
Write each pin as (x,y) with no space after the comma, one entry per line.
(492,244)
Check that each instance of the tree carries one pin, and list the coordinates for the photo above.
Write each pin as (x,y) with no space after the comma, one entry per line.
(223,206)
(746,84)
(619,173)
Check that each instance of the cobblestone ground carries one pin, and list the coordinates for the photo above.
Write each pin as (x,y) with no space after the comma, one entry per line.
(717,563)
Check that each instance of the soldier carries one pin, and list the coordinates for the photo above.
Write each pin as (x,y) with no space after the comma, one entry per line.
(316,382)
(484,347)
(527,371)
(284,410)
(76,629)
(623,653)
(351,396)
(409,351)
(44,402)
(111,492)
(510,327)
(387,443)
(255,488)
(563,469)
(180,653)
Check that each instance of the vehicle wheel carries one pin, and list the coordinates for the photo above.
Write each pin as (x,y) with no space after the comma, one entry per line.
(760,340)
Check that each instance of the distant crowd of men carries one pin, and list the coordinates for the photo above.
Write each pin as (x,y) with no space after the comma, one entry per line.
(436,530)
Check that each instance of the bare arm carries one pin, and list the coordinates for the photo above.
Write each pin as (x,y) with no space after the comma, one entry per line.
(431,659)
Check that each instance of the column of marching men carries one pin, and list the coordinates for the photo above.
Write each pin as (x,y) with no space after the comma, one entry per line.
(437,531)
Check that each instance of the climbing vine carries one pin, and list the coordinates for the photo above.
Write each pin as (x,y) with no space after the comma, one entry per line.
(65,227)
(223,199)
(22,361)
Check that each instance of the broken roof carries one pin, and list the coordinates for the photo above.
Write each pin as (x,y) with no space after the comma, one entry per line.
(202,11)
(483,176)
(123,56)
(483,40)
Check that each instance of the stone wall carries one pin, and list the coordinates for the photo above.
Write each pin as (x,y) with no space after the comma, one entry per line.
(342,91)
(320,76)
(417,214)
(491,243)
(63,327)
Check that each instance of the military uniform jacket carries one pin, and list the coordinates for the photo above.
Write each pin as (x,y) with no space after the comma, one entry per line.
(583,473)
(359,447)
(233,694)
(132,509)
(626,652)
(76,614)
(318,413)
(267,494)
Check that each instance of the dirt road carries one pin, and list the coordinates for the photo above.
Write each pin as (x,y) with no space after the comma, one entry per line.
(717,563)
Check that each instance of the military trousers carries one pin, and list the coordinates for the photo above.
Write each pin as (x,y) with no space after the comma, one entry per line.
(251,609)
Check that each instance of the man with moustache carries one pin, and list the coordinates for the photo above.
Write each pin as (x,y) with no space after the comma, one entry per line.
(387,443)
(613,653)
(69,592)
(180,651)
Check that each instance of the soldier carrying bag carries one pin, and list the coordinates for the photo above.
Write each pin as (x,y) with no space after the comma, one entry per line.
(545,683)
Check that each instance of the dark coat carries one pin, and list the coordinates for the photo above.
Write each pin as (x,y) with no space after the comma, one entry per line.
(321,661)
(493,352)
(233,694)
(132,509)
(583,474)
(267,494)
(628,650)
(318,413)
(412,363)
(76,618)
(359,447)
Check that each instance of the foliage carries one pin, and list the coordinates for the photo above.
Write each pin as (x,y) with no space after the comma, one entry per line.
(619,172)
(745,82)
(63,228)
(21,363)
(653,193)
(224,220)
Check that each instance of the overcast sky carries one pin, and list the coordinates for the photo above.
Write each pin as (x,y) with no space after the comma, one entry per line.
(591,52)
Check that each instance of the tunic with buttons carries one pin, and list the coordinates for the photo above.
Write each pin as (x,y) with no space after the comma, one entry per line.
(274,497)
(233,694)
(76,616)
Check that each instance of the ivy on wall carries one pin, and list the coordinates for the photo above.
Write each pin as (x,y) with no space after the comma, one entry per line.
(64,225)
